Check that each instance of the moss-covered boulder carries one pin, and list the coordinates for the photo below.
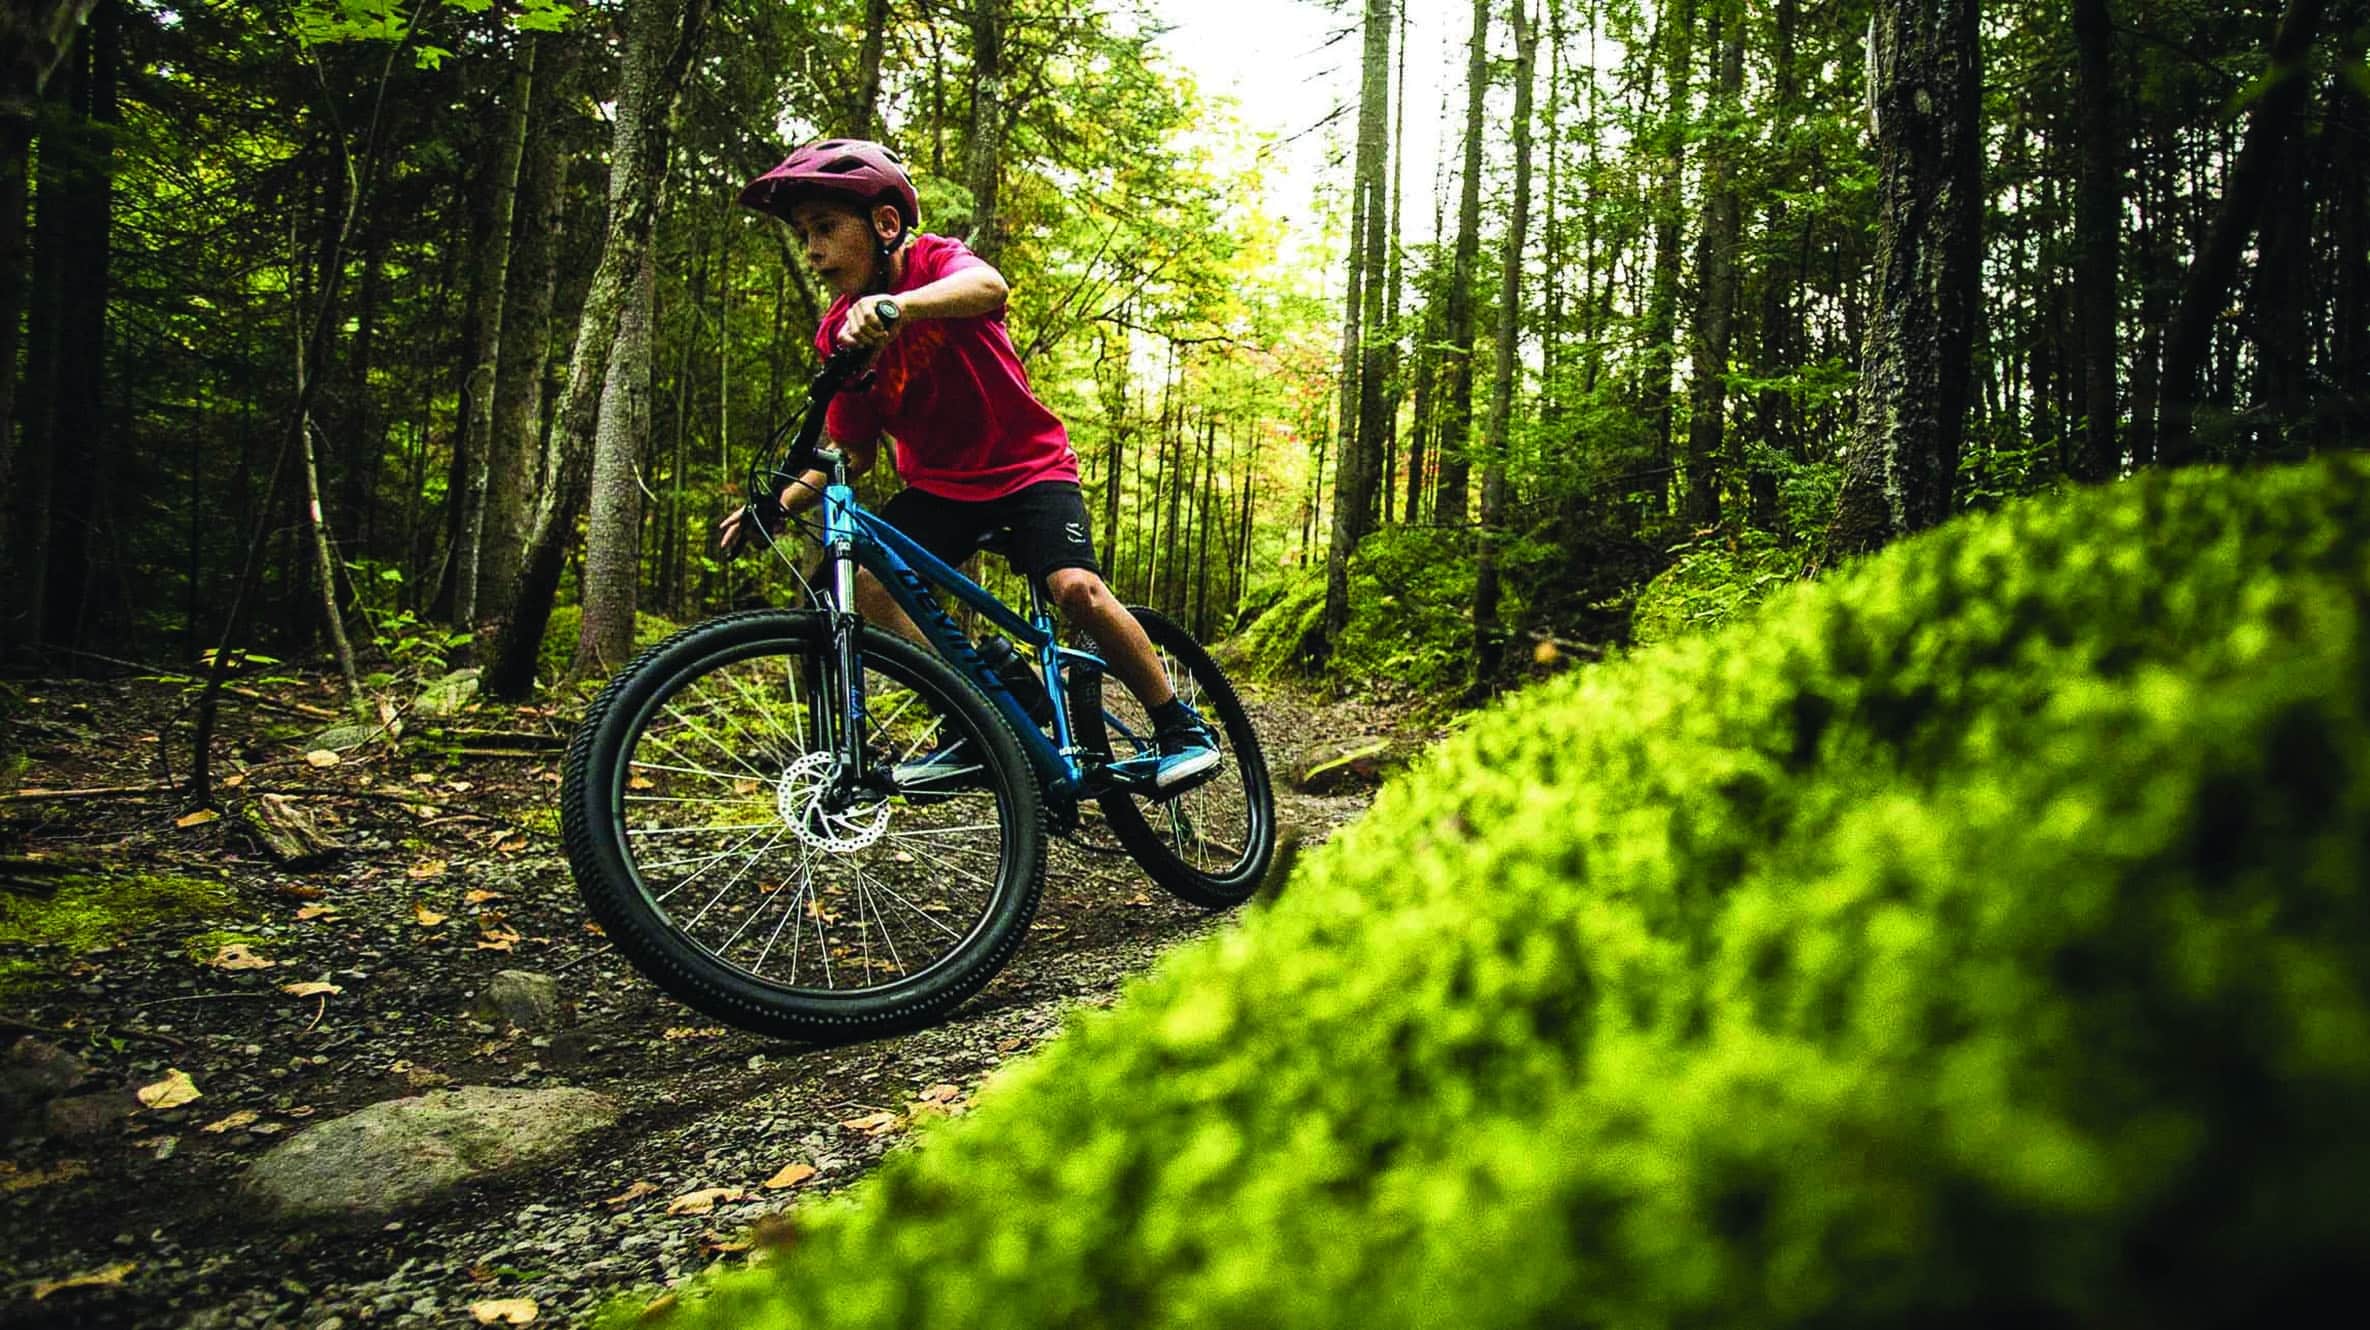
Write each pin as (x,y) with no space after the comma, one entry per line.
(1980,937)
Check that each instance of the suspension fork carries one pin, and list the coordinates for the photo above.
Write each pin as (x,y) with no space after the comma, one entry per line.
(846,686)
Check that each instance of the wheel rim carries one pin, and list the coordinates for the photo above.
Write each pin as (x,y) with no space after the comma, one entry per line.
(1214,828)
(742,839)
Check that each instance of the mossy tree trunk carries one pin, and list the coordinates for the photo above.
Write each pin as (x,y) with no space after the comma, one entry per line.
(661,37)
(1904,450)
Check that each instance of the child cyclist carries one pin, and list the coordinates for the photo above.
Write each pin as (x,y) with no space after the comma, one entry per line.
(976,449)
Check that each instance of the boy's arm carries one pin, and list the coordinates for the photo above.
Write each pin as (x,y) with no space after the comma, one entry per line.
(971,290)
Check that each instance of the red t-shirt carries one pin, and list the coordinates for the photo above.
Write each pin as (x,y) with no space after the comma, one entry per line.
(953,395)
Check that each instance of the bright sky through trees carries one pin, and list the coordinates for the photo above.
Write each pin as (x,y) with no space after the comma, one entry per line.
(1274,59)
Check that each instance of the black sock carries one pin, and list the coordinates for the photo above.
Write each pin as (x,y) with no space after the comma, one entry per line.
(1171,714)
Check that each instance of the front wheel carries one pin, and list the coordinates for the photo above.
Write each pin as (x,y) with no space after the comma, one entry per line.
(1212,844)
(715,836)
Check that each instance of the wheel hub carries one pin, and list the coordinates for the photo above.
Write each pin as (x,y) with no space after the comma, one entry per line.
(805,799)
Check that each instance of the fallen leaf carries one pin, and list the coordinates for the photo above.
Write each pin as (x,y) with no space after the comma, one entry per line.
(693,1032)
(940,1094)
(105,1277)
(232,1123)
(13,1179)
(173,1091)
(303,891)
(1009,1044)
(1139,900)
(428,918)
(316,988)
(239,956)
(197,819)
(424,869)
(499,940)
(702,1201)
(504,1311)
(235,780)
(423,778)
(321,757)
(311,912)
(630,1195)
(479,896)
(790,1176)
(511,845)
(548,776)
(873,1123)
(714,1246)
(640,783)
(460,786)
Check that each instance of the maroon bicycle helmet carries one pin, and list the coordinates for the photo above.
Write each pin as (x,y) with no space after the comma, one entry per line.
(856,171)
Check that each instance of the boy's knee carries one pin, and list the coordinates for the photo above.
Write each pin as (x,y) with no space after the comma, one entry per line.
(1075,590)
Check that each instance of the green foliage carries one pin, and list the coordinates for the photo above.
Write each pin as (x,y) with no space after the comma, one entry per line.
(416,647)
(1976,938)
(559,638)
(1410,630)
(1714,581)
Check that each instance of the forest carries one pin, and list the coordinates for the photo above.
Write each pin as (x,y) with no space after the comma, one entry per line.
(280,261)
(1709,425)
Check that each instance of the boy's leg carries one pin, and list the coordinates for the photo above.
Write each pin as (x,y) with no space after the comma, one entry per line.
(1088,603)
(1050,542)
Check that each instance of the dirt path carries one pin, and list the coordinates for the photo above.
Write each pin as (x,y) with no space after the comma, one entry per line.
(705,1110)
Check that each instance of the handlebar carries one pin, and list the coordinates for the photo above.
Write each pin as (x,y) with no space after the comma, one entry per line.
(845,366)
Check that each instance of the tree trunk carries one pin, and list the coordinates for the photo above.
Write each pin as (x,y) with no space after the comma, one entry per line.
(484,373)
(1904,451)
(864,120)
(1489,636)
(661,37)
(517,433)
(2098,208)
(613,544)
(1715,266)
(1363,336)
(1659,339)
(987,126)
(66,433)
(1456,422)
(2269,126)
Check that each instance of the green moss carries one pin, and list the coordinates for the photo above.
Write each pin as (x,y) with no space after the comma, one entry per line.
(95,911)
(1410,629)
(1712,583)
(1977,938)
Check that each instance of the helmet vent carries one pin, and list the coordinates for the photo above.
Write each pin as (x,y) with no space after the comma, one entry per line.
(843,165)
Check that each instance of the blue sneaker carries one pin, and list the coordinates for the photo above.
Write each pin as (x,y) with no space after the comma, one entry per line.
(1188,753)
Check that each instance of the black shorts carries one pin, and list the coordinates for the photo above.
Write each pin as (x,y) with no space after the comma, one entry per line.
(1047,520)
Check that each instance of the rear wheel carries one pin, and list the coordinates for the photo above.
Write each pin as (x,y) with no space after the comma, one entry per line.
(1210,845)
(713,837)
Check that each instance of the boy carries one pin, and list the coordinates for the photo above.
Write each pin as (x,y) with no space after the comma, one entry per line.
(975,447)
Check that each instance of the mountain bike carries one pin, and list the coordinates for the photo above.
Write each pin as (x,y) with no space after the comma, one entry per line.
(803,825)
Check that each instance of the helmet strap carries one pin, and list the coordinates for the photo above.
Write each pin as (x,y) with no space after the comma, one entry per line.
(884,254)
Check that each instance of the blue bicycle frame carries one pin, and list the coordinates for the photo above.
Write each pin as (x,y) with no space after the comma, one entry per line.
(854,537)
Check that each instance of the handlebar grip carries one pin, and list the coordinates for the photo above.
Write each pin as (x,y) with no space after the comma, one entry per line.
(887,312)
